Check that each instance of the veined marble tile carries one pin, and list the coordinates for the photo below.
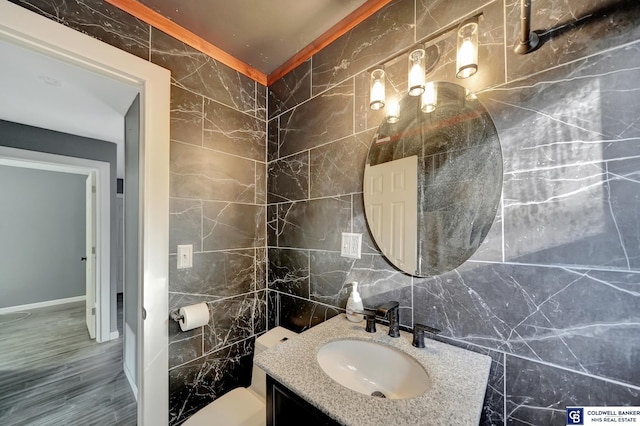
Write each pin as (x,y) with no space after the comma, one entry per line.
(259,315)
(379,36)
(291,90)
(583,112)
(218,274)
(570,30)
(582,320)
(231,321)
(186,116)
(185,223)
(232,225)
(261,183)
(273,309)
(538,394)
(272,225)
(302,314)
(228,130)
(261,101)
(194,385)
(574,215)
(273,139)
(288,178)
(261,268)
(328,276)
(314,224)
(323,119)
(98,19)
(491,247)
(338,168)
(289,271)
(197,172)
(202,74)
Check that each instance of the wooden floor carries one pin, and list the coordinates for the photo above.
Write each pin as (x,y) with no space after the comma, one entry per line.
(51,373)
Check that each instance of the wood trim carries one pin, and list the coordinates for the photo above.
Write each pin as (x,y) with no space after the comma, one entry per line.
(158,21)
(332,34)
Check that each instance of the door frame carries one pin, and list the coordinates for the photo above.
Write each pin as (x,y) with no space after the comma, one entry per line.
(32,31)
(81,166)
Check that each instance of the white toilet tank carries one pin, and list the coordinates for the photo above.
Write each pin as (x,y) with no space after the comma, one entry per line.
(243,406)
(271,338)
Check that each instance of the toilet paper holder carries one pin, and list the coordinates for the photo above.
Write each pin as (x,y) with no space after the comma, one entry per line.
(176,316)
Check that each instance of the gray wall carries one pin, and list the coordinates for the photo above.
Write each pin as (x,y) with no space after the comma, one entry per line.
(16,135)
(552,293)
(42,229)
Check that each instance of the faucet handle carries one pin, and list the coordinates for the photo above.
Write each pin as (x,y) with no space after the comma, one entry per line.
(370,317)
(418,334)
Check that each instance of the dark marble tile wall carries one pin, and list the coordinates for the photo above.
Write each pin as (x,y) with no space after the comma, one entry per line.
(218,192)
(553,293)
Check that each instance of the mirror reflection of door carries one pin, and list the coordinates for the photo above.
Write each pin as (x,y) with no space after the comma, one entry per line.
(456,160)
(391,203)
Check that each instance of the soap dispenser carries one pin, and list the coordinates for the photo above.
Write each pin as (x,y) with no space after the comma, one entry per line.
(354,305)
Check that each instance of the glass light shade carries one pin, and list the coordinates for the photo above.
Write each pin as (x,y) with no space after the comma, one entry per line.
(467,58)
(416,72)
(429,98)
(376,89)
(393,112)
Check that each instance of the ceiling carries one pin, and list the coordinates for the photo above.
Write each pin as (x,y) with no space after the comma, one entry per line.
(40,91)
(262,34)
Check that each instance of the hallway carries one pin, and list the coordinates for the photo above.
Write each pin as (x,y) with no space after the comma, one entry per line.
(51,373)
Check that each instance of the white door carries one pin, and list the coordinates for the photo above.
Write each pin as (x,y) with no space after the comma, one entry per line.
(90,254)
(391,202)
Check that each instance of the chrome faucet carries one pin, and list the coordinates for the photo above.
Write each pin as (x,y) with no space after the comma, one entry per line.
(390,311)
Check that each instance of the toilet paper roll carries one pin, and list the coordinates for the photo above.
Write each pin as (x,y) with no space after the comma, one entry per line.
(194,316)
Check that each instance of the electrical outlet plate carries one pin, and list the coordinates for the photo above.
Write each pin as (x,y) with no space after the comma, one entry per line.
(185,256)
(351,245)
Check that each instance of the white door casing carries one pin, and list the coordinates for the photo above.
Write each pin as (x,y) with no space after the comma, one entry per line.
(90,254)
(29,30)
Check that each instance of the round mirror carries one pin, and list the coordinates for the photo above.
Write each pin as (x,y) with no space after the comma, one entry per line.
(432,180)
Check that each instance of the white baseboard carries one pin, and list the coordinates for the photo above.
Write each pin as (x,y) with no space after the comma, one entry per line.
(41,304)
(132,383)
(129,364)
(114,335)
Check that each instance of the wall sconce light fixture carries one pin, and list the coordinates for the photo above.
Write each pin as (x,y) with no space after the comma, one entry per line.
(467,58)
(393,111)
(416,72)
(429,98)
(466,66)
(377,89)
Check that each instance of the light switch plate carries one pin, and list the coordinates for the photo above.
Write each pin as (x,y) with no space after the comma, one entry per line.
(185,256)
(351,245)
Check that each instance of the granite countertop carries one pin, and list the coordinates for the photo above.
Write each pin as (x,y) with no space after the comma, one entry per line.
(458,379)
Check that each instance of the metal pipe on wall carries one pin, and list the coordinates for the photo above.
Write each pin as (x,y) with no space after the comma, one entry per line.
(529,40)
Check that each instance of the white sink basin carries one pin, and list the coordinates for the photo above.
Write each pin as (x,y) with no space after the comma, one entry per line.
(369,368)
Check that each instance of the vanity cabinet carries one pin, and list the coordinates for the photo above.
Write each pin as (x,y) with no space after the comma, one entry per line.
(285,408)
